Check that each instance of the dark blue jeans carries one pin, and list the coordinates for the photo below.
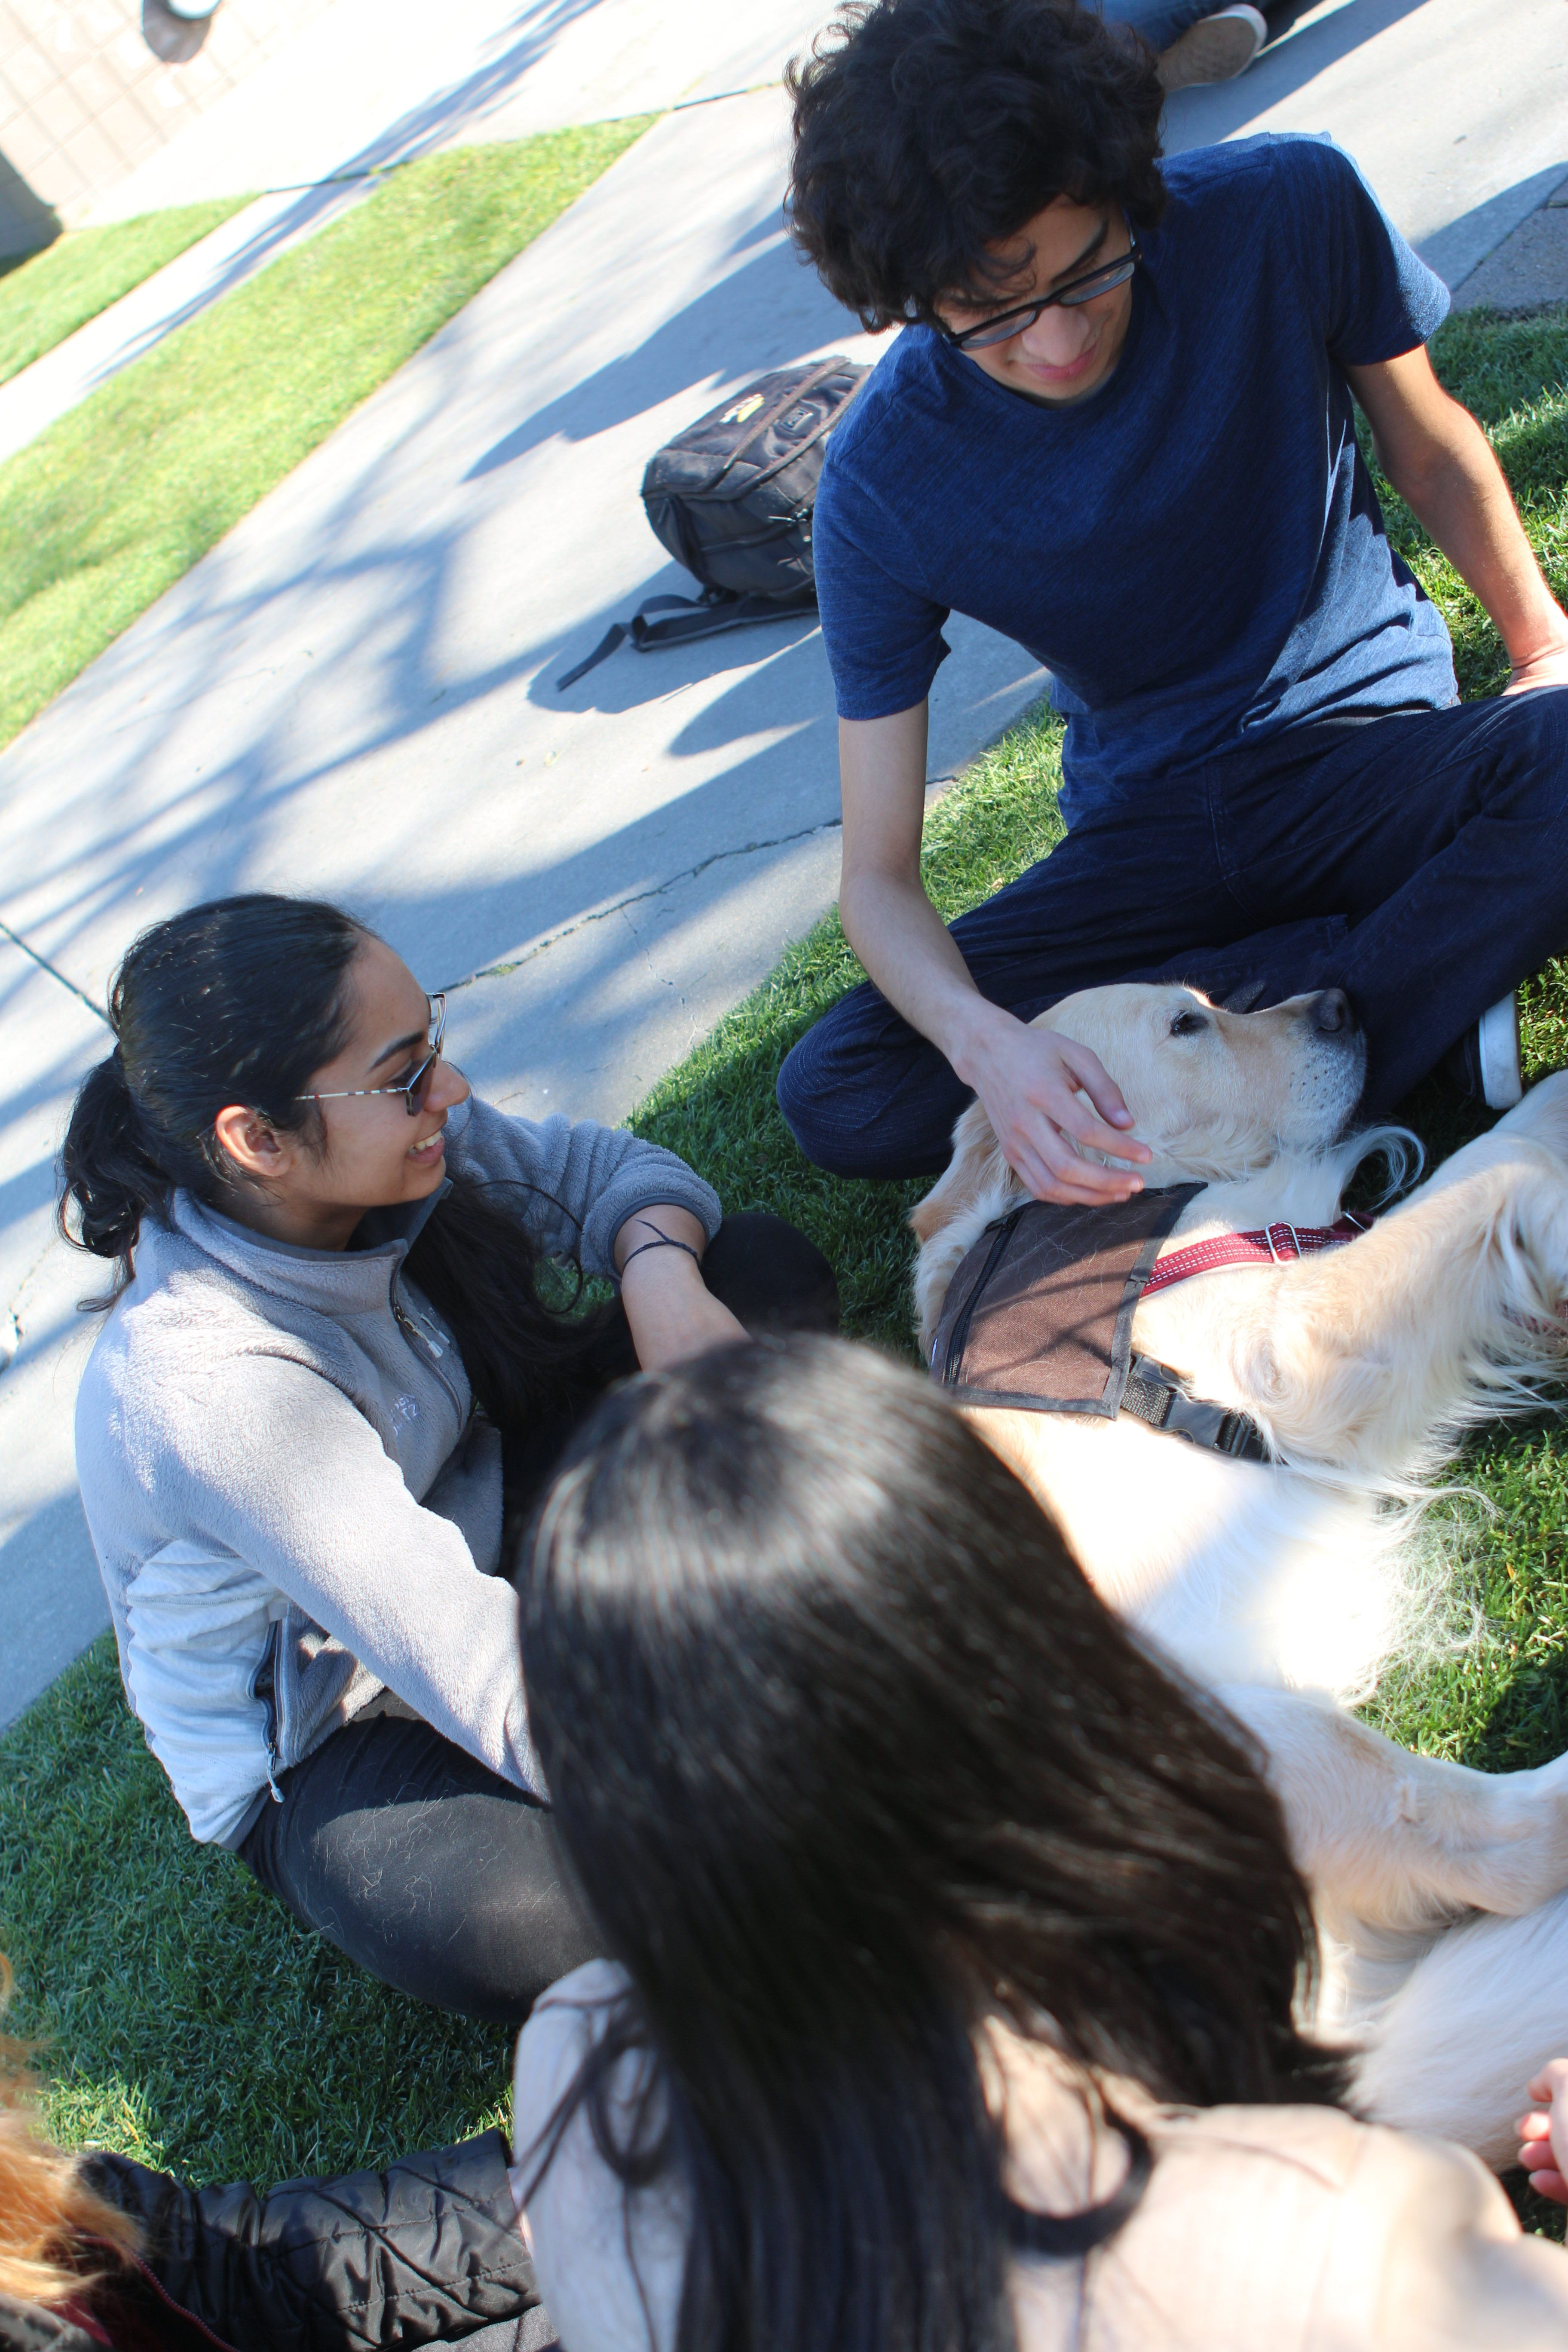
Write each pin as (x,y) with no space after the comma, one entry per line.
(1419,861)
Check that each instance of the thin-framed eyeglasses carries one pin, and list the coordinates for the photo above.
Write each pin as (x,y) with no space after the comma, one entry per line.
(1007,323)
(413,1089)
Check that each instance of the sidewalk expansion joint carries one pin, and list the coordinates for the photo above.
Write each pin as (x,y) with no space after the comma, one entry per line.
(45,965)
(636,898)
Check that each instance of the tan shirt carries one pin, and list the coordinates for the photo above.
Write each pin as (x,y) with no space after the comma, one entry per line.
(1261,2229)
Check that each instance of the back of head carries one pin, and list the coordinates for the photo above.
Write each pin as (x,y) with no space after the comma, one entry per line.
(236,1001)
(846,1753)
(928,131)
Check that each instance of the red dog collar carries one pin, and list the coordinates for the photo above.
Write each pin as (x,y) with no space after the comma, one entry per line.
(1267,1245)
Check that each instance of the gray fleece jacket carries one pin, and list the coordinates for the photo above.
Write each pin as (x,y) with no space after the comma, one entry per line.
(293,1501)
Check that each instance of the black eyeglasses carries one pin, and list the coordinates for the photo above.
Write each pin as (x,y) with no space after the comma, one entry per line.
(1007,323)
(414,1089)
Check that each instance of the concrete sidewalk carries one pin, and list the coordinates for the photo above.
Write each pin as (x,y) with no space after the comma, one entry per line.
(355,95)
(553,68)
(355,692)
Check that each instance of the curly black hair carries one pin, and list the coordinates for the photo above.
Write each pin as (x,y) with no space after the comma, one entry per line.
(926,132)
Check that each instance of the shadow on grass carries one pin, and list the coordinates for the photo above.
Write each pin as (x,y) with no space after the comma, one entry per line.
(185,2019)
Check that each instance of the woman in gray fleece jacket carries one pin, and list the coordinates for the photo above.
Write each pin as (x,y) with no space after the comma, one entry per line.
(327,1388)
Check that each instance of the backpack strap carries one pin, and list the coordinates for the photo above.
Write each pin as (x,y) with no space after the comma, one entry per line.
(792,394)
(690,616)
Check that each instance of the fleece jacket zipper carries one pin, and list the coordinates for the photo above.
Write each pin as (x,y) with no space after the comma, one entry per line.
(418,1339)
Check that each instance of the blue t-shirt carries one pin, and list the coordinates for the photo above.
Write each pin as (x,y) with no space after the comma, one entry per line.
(1194,551)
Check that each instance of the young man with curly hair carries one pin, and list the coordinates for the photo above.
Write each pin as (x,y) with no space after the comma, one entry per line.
(1121,429)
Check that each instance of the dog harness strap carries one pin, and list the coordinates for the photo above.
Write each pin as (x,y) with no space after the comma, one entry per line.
(1039,1318)
(1267,1245)
(1039,1314)
(1159,1396)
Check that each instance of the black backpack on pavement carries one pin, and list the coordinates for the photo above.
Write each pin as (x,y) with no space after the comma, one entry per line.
(731,498)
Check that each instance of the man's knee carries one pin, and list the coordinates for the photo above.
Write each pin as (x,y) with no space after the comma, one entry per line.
(1535,726)
(800,1093)
(820,1086)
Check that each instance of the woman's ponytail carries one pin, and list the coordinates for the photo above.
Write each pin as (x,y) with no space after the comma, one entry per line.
(109,1180)
(266,975)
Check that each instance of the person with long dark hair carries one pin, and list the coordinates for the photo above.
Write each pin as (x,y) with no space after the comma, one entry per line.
(332,1362)
(953,1954)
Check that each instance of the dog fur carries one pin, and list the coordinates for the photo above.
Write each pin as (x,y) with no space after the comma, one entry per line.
(1287,1587)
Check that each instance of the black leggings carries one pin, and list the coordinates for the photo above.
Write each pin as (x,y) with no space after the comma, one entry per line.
(406,1852)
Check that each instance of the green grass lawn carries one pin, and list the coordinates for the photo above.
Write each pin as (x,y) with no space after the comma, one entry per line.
(45,297)
(188,2021)
(117,500)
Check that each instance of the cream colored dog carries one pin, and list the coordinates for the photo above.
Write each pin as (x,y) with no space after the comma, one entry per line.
(1286,1586)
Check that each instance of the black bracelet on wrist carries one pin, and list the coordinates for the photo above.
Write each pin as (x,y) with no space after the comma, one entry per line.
(665,1241)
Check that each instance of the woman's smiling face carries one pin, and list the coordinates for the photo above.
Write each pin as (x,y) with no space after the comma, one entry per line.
(1071,349)
(373,1155)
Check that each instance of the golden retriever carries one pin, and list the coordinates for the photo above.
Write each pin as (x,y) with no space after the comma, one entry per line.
(1285,1586)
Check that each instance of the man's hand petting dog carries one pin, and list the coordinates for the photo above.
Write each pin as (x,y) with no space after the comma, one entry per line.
(1543,2133)
(1033,1084)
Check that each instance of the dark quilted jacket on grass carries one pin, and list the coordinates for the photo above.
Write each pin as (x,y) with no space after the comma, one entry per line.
(424,2252)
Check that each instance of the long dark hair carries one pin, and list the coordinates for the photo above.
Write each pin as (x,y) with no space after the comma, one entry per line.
(926,132)
(242,1001)
(844,1754)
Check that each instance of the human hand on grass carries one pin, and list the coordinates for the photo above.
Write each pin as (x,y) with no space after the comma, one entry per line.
(1033,1084)
(1543,2133)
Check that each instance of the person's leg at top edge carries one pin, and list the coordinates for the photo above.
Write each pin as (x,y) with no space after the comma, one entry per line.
(1119,429)
(1193,43)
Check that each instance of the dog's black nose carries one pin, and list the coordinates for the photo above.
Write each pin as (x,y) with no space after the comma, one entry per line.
(1330,1012)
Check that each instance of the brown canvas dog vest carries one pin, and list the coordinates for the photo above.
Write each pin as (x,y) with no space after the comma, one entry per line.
(1038,1318)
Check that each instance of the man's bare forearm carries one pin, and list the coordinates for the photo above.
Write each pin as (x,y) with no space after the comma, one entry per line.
(1033,1084)
(1467,508)
(909,951)
(1445,470)
(888,920)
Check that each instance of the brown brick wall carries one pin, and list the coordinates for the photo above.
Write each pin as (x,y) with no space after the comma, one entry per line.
(84,100)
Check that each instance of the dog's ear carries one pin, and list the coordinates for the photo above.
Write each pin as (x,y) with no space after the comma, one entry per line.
(1245,996)
(976,1165)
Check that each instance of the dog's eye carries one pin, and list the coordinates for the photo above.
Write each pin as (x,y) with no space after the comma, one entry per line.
(1187,1025)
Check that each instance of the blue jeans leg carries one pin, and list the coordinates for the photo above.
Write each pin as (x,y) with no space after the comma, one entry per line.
(1439,837)
(1442,836)
(1137,896)
(1159,21)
